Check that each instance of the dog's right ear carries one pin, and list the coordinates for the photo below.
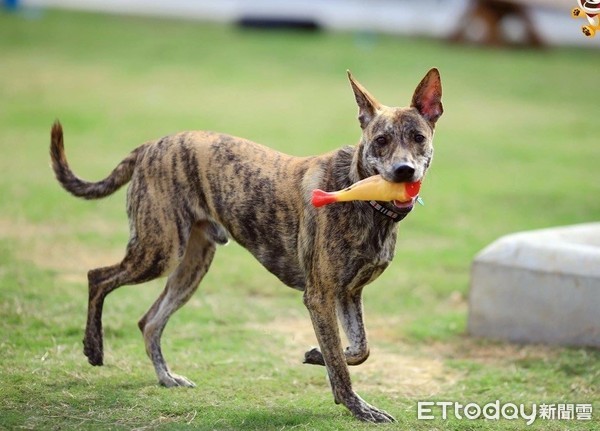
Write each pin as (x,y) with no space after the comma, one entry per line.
(367,104)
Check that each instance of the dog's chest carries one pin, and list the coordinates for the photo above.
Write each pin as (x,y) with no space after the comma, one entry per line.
(374,258)
(367,274)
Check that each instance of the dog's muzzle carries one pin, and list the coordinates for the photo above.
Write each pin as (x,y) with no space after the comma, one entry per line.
(403,173)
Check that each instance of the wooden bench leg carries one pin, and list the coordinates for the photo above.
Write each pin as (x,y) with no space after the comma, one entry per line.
(482,24)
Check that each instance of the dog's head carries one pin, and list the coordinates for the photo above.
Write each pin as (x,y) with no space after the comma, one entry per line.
(590,6)
(397,143)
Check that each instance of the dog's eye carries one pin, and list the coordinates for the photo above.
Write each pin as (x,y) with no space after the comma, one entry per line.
(419,139)
(381,140)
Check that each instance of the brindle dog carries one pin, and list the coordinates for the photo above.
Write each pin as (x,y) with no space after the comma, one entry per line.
(193,190)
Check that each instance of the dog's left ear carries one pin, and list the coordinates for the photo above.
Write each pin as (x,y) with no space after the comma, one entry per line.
(428,96)
(367,104)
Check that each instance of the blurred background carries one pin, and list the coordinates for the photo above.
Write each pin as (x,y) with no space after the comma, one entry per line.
(476,20)
(516,149)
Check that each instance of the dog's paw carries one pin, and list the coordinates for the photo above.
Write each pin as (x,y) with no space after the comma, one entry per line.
(314,357)
(94,354)
(171,380)
(367,413)
(575,12)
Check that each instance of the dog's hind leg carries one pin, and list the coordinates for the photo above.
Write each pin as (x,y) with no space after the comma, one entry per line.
(139,265)
(182,283)
(150,253)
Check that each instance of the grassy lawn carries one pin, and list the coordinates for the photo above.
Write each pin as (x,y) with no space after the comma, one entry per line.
(516,149)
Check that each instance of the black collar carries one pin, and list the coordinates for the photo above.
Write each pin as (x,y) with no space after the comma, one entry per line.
(388,212)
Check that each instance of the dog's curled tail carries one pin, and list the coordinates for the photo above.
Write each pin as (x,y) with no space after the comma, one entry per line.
(85,189)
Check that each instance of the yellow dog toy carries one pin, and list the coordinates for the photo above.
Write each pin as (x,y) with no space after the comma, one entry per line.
(373,188)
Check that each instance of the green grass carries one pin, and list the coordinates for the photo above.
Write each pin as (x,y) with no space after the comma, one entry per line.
(516,149)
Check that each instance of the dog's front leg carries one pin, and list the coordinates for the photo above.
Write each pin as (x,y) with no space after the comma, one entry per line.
(321,304)
(349,309)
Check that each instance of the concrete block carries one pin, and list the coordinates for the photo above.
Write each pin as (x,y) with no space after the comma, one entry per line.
(539,287)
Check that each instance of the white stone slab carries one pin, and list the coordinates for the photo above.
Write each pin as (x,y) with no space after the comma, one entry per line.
(539,286)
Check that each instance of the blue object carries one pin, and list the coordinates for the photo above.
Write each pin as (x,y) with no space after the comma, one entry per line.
(11,4)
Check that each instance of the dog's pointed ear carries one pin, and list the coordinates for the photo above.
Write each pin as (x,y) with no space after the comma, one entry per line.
(428,96)
(367,104)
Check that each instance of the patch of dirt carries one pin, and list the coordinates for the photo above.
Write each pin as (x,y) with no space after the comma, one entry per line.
(397,371)
(55,247)
(493,353)
(402,368)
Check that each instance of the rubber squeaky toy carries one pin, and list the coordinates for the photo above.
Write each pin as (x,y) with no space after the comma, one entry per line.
(373,188)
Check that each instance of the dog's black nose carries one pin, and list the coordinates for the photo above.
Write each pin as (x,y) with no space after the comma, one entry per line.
(403,172)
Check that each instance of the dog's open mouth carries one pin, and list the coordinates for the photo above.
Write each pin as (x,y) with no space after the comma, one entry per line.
(412,190)
(404,207)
